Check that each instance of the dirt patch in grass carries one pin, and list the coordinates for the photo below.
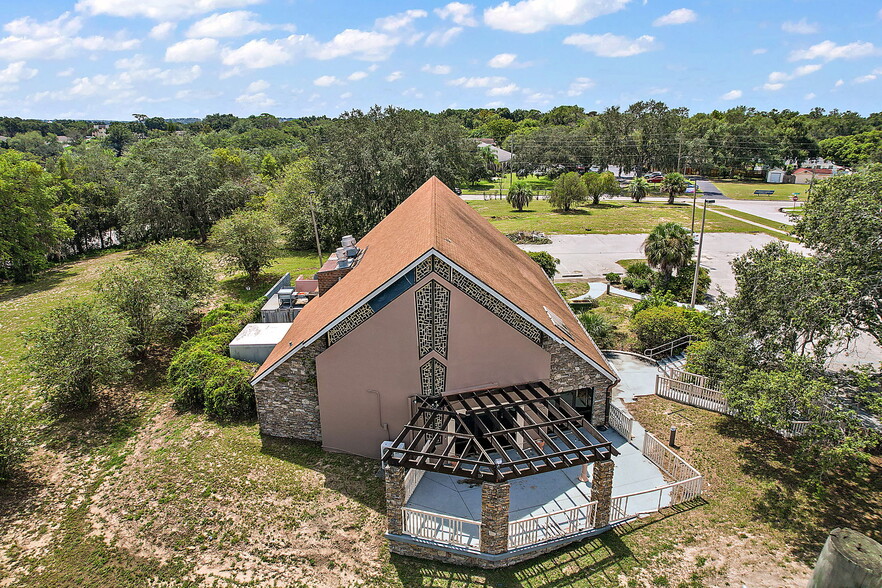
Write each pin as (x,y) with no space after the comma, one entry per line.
(237,507)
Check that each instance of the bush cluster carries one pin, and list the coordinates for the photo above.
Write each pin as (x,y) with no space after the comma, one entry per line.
(642,279)
(202,374)
(659,324)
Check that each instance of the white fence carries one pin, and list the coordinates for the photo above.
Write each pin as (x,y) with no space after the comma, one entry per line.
(687,484)
(621,421)
(411,480)
(441,528)
(551,525)
(691,389)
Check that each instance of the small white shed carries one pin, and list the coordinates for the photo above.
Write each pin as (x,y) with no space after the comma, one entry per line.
(255,342)
(775,176)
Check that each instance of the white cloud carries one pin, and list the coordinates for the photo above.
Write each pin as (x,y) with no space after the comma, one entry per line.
(459,13)
(192,50)
(442,38)
(506,90)
(441,70)
(159,9)
(55,39)
(394,76)
(413,93)
(803,70)
(676,17)
(257,86)
(809,96)
(162,30)
(539,98)
(732,95)
(134,62)
(345,95)
(227,24)
(760,51)
(502,60)
(865,79)
(191,94)
(828,51)
(532,16)
(838,83)
(66,73)
(800,27)
(579,85)
(772,87)
(485,82)
(260,53)
(13,74)
(257,100)
(365,45)
(325,81)
(399,21)
(609,45)
(357,75)
(179,77)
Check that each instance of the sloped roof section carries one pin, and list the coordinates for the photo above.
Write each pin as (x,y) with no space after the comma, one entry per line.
(434,217)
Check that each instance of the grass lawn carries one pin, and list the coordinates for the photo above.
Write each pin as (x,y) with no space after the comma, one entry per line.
(760,220)
(741,190)
(133,492)
(537,183)
(609,217)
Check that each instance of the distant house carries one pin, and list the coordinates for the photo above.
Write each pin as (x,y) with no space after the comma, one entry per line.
(805,175)
(502,156)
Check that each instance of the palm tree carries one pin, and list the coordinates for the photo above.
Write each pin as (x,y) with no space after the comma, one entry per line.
(674,184)
(668,248)
(599,328)
(638,189)
(520,194)
(600,184)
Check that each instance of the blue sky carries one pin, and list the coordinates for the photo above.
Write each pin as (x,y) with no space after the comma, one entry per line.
(181,58)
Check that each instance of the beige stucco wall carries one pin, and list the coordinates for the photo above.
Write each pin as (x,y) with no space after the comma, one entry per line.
(382,355)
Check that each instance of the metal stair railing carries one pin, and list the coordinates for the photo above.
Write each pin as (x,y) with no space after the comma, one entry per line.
(668,347)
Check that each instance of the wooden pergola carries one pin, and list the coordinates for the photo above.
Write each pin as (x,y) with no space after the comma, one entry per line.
(497,434)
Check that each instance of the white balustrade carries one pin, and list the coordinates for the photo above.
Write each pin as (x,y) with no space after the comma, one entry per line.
(441,528)
(553,525)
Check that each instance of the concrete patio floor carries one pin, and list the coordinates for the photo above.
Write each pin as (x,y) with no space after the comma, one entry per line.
(545,493)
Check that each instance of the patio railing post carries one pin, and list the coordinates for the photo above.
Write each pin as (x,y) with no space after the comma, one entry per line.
(601,491)
(494,517)
(395,499)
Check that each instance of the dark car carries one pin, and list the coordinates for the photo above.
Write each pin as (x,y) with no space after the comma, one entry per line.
(457,191)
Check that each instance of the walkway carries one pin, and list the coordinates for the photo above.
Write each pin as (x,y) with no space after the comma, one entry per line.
(597,289)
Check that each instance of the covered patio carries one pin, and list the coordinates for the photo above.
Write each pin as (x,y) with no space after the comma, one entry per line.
(501,473)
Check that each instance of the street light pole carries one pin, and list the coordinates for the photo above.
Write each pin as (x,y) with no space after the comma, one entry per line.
(694,196)
(698,259)
(318,244)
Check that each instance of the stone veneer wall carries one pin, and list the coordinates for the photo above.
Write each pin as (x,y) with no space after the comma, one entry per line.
(395,498)
(570,372)
(287,398)
(601,491)
(495,500)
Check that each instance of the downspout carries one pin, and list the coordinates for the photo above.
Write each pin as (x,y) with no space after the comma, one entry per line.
(384,426)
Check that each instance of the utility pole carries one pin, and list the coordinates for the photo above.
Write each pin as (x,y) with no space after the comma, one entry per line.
(679,152)
(694,196)
(318,244)
(698,259)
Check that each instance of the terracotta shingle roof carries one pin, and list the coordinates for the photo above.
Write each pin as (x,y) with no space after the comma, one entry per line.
(434,217)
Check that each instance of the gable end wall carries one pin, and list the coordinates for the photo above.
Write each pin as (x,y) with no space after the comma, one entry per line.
(570,372)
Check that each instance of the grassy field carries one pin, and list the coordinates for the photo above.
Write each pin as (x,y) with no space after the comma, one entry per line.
(785,227)
(609,217)
(740,190)
(132,492)
(537,183)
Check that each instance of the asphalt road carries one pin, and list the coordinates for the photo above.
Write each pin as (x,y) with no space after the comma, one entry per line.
(592,256)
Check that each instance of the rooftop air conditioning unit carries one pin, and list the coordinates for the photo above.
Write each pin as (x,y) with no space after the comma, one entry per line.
(348,241)
(352,252)
(286,296)
(341,252)
(343,263)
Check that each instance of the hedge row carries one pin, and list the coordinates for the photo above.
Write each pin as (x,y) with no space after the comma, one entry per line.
(202,374)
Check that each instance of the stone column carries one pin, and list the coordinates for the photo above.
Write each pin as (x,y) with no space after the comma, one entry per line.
(494,517)
(395,498)
(601,491)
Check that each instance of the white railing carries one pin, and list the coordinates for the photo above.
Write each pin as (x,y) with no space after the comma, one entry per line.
(411,481)
(441,528)
(691,389)
(552,525)
(666,460)
(621,421)
(668,347)
(635,504)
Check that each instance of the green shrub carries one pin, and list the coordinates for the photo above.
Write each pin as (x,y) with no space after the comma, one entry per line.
(545,261)
(660,324)
(681,284)
(639,285)
(639,269)
(204,377)
(653,299)
(601,330)
(613,278)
